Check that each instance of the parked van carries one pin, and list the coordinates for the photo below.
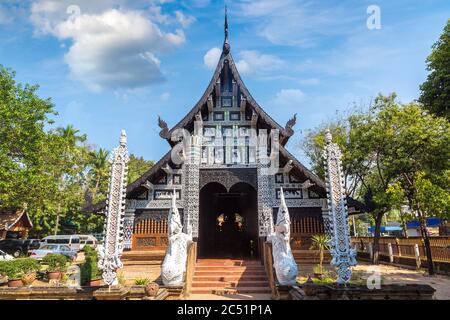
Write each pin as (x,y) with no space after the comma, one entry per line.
(87,239)
(73,241)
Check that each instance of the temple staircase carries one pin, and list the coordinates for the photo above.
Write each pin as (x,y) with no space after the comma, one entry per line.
(229,276)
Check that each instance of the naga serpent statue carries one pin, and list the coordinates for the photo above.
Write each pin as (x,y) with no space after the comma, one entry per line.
(283,260)
(174,264)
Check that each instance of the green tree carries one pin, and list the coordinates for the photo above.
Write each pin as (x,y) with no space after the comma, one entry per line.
(23,118)
(137,166)
(384,148)
(99,168)
(435,91)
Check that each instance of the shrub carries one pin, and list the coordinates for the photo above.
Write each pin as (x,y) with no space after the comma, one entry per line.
(14,269)
(89,269)
(56,262)
(141,281)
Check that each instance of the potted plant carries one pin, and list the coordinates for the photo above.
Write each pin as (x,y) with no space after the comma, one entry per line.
(29,267)
(57,264)
(90,273)
(11,269)
(319,242)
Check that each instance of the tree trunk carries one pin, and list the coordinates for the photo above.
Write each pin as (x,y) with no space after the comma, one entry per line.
(57,219)
(376,238)
(426,242)
(321,259)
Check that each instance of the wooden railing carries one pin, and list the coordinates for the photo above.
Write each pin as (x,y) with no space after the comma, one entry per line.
(307,225)
(302,229)
(268,265)
(191,261)
(150,235)
(404,247)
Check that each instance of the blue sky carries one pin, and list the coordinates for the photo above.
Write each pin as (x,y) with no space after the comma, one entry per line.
(118,64)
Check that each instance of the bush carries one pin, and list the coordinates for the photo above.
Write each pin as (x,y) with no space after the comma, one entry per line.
(89,269)
(56,262)
(14,269)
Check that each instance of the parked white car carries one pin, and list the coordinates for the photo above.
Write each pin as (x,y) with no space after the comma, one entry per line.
(4,256)
(46,249)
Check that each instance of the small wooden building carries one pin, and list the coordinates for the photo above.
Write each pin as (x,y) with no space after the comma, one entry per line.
(14,223)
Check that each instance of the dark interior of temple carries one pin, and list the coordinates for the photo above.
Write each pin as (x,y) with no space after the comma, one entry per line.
(228,226)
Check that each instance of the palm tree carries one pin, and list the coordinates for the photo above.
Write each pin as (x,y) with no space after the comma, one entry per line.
(70,134)
(71,137)
(99,167)
(321,243)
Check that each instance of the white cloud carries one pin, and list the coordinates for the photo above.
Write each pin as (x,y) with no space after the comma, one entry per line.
(288,98)
(4,17)
(184,20)
(255,62)
(165,96)
(309,81)
(108,48)
(211,58)
(299,23)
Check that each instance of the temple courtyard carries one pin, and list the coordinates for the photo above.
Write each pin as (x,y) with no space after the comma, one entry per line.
(388,274)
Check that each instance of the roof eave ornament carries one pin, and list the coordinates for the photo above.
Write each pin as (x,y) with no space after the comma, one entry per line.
(164,133)
(290,125)
(226,44)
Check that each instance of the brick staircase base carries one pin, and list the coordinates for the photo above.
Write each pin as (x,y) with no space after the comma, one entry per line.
(228,276)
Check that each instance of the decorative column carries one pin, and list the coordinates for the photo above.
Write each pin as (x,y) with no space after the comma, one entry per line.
(191,186)
(265,187)
(111,251)
(343,256)
(128,225)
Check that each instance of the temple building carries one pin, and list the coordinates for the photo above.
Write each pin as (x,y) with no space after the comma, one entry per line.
(226,164)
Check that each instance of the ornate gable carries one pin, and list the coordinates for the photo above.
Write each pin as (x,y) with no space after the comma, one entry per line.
(227,99)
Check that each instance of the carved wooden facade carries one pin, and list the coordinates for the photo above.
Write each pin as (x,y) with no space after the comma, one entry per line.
(226,138)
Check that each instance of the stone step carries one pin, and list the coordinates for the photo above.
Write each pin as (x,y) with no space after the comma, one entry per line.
(228,273)
(141,263)
(229,284)
(230,278)
(228,263)
(228,268)
(230,291)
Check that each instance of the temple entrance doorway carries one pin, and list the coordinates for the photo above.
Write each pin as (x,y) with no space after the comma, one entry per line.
(228,226)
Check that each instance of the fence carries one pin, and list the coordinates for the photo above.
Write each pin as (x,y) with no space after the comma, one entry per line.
(406,247)
(150,235)
(302,229)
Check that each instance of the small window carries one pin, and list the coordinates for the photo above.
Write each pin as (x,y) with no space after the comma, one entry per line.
(226,102)
(219,116)
(74,240)
(279,178)
(235,115)
(176,179)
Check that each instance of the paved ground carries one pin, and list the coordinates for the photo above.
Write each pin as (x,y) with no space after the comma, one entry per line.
(391,274)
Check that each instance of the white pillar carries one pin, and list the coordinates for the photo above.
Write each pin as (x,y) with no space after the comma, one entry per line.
(417,255)
(391,253)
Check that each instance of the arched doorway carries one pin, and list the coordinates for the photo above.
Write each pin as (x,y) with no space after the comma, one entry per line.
(228,226)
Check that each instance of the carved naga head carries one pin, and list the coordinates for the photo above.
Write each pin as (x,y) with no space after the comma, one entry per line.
(283,225)
(174,221)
